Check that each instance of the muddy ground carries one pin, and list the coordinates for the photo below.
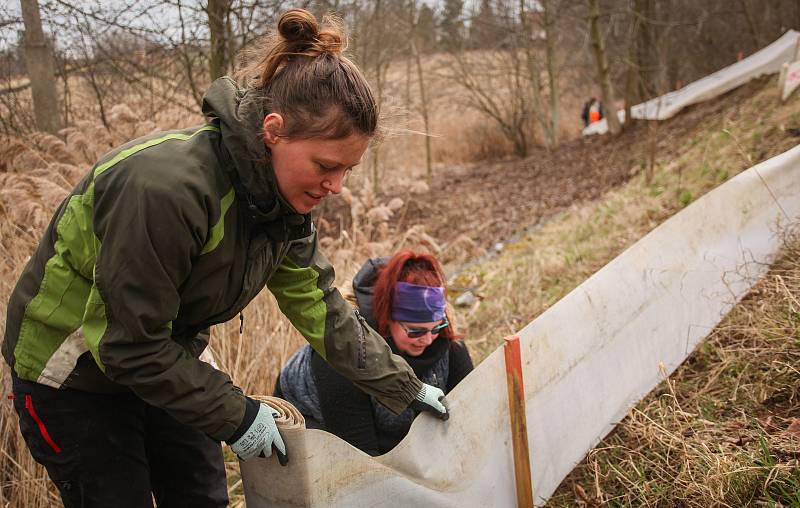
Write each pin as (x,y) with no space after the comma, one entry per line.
(492,201)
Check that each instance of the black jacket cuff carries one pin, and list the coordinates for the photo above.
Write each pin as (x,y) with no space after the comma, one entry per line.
(250,411)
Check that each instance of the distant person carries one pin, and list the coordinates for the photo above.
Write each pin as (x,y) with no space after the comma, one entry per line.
(170,235)
(404,299)
(592,111)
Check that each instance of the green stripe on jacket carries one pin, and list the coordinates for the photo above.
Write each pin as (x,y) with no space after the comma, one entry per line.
(301,300)
(68,298)
(218,230)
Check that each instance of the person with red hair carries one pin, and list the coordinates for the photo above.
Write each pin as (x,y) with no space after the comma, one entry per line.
(404,299)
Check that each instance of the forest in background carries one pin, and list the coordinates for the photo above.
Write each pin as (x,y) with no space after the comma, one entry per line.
(486,88)
(522,67)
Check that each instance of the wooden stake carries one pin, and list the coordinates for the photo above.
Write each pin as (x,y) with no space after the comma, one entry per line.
(519,425)
(782,79)
(796,50)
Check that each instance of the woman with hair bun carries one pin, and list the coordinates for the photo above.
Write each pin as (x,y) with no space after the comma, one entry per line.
(171,234)
(404,299)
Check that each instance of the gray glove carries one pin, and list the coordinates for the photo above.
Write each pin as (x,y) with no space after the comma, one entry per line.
(261,436)
(431,399)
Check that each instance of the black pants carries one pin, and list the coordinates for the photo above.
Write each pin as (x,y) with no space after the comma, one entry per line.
(114,450)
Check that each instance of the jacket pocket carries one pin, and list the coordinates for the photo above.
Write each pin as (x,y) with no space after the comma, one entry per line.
(39,423)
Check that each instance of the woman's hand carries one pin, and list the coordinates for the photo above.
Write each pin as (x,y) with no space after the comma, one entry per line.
(431,399)
(261,436)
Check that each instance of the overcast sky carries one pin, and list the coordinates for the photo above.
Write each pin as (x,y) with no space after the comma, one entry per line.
(154,19)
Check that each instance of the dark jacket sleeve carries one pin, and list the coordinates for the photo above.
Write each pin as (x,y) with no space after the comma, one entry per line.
(460,364)
(347,411)
(303,287)
(148,230)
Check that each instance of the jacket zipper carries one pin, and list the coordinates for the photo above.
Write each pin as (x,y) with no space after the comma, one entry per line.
(248,284)
(40,424)
(362,342)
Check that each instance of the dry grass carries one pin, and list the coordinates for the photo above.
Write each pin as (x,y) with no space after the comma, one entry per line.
(724,430)
(24,482)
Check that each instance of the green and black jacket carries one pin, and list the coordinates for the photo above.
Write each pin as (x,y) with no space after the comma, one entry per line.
(166,236)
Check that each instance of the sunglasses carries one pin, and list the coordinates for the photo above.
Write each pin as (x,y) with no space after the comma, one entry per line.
(417,333)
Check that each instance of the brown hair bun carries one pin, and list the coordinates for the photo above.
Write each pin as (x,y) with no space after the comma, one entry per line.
(299,71)
(300,29)
(298,25)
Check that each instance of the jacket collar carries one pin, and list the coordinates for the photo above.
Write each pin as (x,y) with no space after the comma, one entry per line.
(239,115)
(424,362)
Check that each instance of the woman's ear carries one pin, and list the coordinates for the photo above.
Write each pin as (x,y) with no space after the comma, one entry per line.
(273,125)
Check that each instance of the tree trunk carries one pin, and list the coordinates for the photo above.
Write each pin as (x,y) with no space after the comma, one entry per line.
(633,77)
(379,64)
(751,24)
(644,51)
(552,77)
(91,72)
(376,148)
(217,25)
(188,60)
(601,59)
(39,61)
(61,70)
(534,74)
(423,102)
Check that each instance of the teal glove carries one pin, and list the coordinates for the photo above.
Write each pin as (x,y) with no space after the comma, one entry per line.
(431,399)
(261,436)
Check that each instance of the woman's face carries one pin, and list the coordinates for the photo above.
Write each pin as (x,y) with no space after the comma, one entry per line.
(308,170)
(407,345)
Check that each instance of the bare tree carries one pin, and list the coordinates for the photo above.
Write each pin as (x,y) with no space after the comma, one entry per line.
(218,26)
(497,86)
(751,22)
(451,26)
(632,78)
(550,34)
(39,60)
(423,96)
(501,82)
(380,38)
(529,39)
(601,60)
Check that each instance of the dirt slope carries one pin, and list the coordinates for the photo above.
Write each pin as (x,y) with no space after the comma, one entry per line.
(491,202)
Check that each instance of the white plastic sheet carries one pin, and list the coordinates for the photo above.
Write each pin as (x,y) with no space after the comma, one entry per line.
(766,61)
(791,80)
(587,360)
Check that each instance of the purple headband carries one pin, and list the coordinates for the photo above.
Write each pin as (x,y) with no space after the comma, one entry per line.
(413,303)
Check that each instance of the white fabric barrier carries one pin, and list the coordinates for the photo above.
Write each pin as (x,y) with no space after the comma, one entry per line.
(587,360)
(765,61)
(791,81)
